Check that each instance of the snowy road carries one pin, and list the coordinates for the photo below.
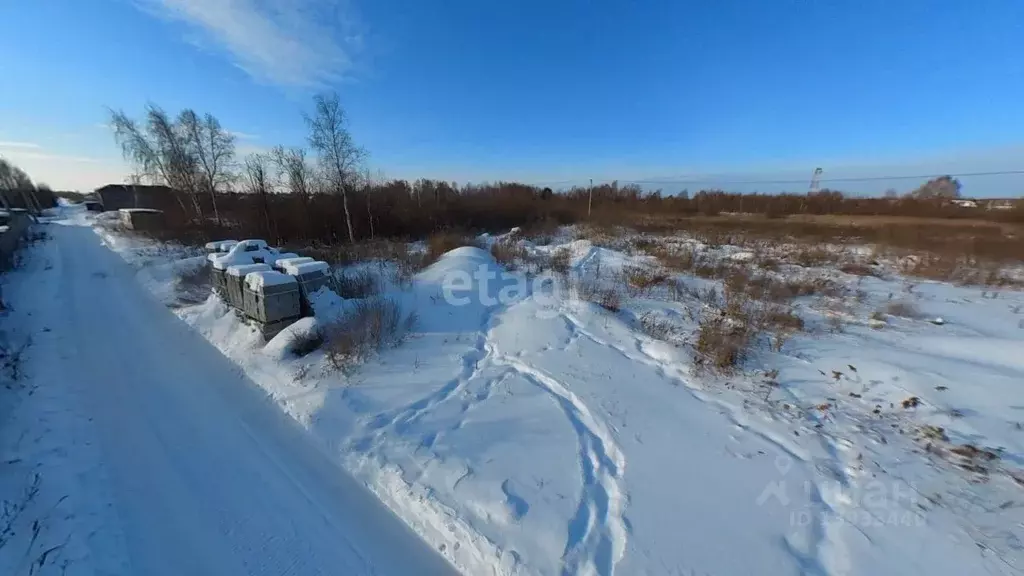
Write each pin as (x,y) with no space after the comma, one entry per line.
(206,475)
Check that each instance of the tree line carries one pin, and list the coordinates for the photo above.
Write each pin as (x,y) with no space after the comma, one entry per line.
(325,193)
(18,191)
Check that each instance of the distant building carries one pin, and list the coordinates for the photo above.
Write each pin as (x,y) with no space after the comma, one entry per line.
(118,196)
(1001,204)
(965,203)
(31,200)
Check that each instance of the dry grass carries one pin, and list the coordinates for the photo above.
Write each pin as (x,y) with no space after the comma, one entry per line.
(679,259)
(815,257)
(721,343)
(735,324)
(509,253)
(404,264)
(903,309)
(959,250)
(641,280)
(560,261)
(661,328)
(305,343)
(365,328)
(857,269)
(359,283)
(443,242)
(590,289)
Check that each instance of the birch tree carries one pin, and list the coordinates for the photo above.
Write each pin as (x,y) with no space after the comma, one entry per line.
(213,148)
(339,157)
(161,150)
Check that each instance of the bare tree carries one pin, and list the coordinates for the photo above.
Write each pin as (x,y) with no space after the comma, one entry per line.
(160,151)
(213,148)
(339,156)
(259,182)
(297,174)
(14,179)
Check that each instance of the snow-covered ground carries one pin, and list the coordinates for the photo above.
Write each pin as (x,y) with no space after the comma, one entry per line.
(130,445)
(520,430)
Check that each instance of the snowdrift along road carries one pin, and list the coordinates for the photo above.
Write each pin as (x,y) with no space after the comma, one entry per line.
(206,476)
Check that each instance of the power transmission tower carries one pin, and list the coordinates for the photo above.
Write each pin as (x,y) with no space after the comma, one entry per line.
(816,181)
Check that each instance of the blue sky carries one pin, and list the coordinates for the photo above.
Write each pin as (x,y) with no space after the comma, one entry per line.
(548,91)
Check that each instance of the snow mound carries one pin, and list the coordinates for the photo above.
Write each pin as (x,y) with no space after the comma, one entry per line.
(326,304)
(279,346)
(466,259)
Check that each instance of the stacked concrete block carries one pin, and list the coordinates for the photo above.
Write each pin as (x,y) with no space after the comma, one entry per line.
(270,287)
(235,281)
(142,218)
(311,277)
(273,299)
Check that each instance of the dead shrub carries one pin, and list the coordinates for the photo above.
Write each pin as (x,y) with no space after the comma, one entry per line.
(305,343)
(814,256)
(660,328)
(443,242)
(366,327)
(406,267)
(903,309)
(721,343)
(858,269)
(681,259)
(508,253)
(560,261)
(359,283)
(641,280)
(589,289)
(779,318)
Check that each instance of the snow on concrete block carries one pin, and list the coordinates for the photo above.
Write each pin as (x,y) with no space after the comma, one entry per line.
(304,268)
(284,259)
(253,244)
(257,281)
(240,270)
(272,299)
(221,245)
(246,252)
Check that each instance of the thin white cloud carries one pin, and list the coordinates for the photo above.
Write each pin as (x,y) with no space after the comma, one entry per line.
(243,135)
(20,145)
(25,155)
(286,42)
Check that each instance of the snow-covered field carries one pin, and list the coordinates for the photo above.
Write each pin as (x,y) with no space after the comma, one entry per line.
(520,429)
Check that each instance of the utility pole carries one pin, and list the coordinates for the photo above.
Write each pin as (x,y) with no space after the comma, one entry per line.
(590,199)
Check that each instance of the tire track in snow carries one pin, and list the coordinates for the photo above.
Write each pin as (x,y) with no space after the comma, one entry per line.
(669,372)
(826,553)
(597,533)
